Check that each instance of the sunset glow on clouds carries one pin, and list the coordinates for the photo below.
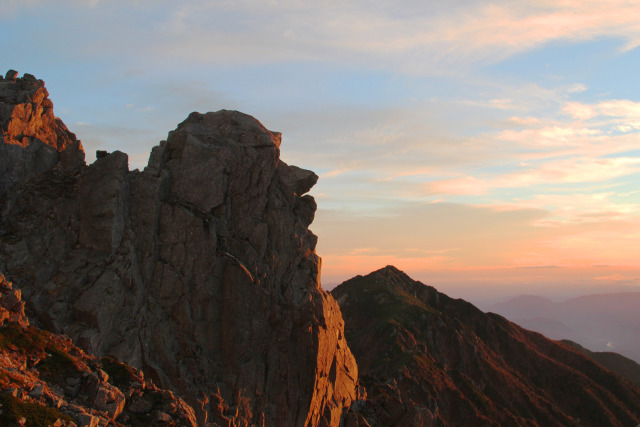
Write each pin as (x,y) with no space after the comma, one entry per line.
(471,144)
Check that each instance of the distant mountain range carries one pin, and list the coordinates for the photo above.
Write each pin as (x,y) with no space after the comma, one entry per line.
(600,322)
(427,359)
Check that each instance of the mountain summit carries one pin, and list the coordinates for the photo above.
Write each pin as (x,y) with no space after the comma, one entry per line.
(427,359)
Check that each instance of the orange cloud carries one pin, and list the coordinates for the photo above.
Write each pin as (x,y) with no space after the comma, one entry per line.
(563,171)
(467,185)
(616,277)
(581,208)
(580,111)
(573,170)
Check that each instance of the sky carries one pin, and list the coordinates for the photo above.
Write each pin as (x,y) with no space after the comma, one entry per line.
(485,148)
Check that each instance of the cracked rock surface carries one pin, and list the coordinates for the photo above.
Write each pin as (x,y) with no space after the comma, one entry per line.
(200,270)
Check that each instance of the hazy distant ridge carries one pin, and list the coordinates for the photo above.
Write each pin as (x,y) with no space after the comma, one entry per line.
(600,322)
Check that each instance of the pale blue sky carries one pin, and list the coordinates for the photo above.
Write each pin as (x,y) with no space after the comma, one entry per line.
(461,141)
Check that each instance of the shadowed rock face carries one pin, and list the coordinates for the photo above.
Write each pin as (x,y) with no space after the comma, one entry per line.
(49,381)
(427,359)
(201,270)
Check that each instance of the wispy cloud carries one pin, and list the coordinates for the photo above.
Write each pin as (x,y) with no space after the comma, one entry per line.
(426,38)
(617,277)
(559,172)
(576,208)
(412,36)
(574,170)
(623,113)
(467,185)
(443,233)
(556,135)
(394,104)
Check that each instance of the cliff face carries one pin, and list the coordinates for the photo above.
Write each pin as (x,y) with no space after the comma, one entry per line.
(201,269)
(427,359)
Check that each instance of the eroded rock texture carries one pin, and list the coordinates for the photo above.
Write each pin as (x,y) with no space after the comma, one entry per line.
(201,270)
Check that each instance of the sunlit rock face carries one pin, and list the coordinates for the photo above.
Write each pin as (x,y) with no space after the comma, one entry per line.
(33,139)
(201,270)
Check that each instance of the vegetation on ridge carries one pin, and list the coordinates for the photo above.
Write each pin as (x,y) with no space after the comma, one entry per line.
(35,414)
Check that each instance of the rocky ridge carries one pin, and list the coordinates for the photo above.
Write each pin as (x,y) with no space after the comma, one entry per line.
(200,270)
(430,360)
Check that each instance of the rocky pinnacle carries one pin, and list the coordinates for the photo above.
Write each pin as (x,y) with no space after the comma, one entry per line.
(200,270)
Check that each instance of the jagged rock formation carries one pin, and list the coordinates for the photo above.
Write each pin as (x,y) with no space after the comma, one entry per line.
(34,139)
(200,270)
(429,360)
(46,380)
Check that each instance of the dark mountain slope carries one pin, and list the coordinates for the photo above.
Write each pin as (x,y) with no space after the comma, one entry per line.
(623,366)
(427,359)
